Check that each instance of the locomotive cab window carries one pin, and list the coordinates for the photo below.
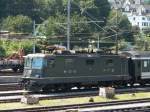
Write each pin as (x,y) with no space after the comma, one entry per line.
(37,62)
(109,62)
(90,61)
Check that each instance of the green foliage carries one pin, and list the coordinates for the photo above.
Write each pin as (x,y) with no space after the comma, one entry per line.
(18,23)
(96,10)
(56,26)
(119,23)
(8,47)
(2,51)
(35,9)
(17,16)
(146,31)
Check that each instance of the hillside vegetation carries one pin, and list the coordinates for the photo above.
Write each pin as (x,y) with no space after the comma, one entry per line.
(91,20)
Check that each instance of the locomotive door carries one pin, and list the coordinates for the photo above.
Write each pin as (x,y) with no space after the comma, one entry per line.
(135,69)
(131,67)
(145,69)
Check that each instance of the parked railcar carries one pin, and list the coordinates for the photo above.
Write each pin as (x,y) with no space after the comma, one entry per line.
(14,64)
(63,71)
(139,66)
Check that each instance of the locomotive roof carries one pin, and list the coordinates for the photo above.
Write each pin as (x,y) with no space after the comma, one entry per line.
(137,54)
(79,55)
(35,55)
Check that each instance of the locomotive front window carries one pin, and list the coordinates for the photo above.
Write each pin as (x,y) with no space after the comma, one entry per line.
(37,62)
(27,62)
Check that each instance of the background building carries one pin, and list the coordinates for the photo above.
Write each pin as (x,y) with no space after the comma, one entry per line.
(137,11)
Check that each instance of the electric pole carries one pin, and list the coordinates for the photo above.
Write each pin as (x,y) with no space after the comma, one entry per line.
(98,41)
(34,35)
(117,47)
(68,25)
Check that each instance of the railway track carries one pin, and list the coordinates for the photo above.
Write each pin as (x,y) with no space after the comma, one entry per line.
(10,73)
(15,96)
(10,86)
(9,79)
(142,104)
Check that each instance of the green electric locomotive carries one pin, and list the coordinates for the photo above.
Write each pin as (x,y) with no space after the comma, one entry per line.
(48,72)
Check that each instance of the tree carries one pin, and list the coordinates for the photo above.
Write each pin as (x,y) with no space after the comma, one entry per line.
(119,24)
(81,11)
(135,30)
(97,10)
(18,23)
(146,31)
(56,27)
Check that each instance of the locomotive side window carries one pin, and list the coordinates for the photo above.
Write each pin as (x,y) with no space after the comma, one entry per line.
(109,62)
(90,61)
(68,62)
(145,64)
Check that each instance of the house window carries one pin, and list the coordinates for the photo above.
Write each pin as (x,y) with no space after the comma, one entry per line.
(147,24)
(134,10)
(117,2)
(144,24)
(143,18)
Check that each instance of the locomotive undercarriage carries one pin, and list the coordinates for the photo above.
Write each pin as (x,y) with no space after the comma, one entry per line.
(34,86)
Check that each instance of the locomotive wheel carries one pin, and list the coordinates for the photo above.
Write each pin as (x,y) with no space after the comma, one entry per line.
(67,87)
(131,83)
(50,88)
(46,89)
(124,83)
(142,83)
